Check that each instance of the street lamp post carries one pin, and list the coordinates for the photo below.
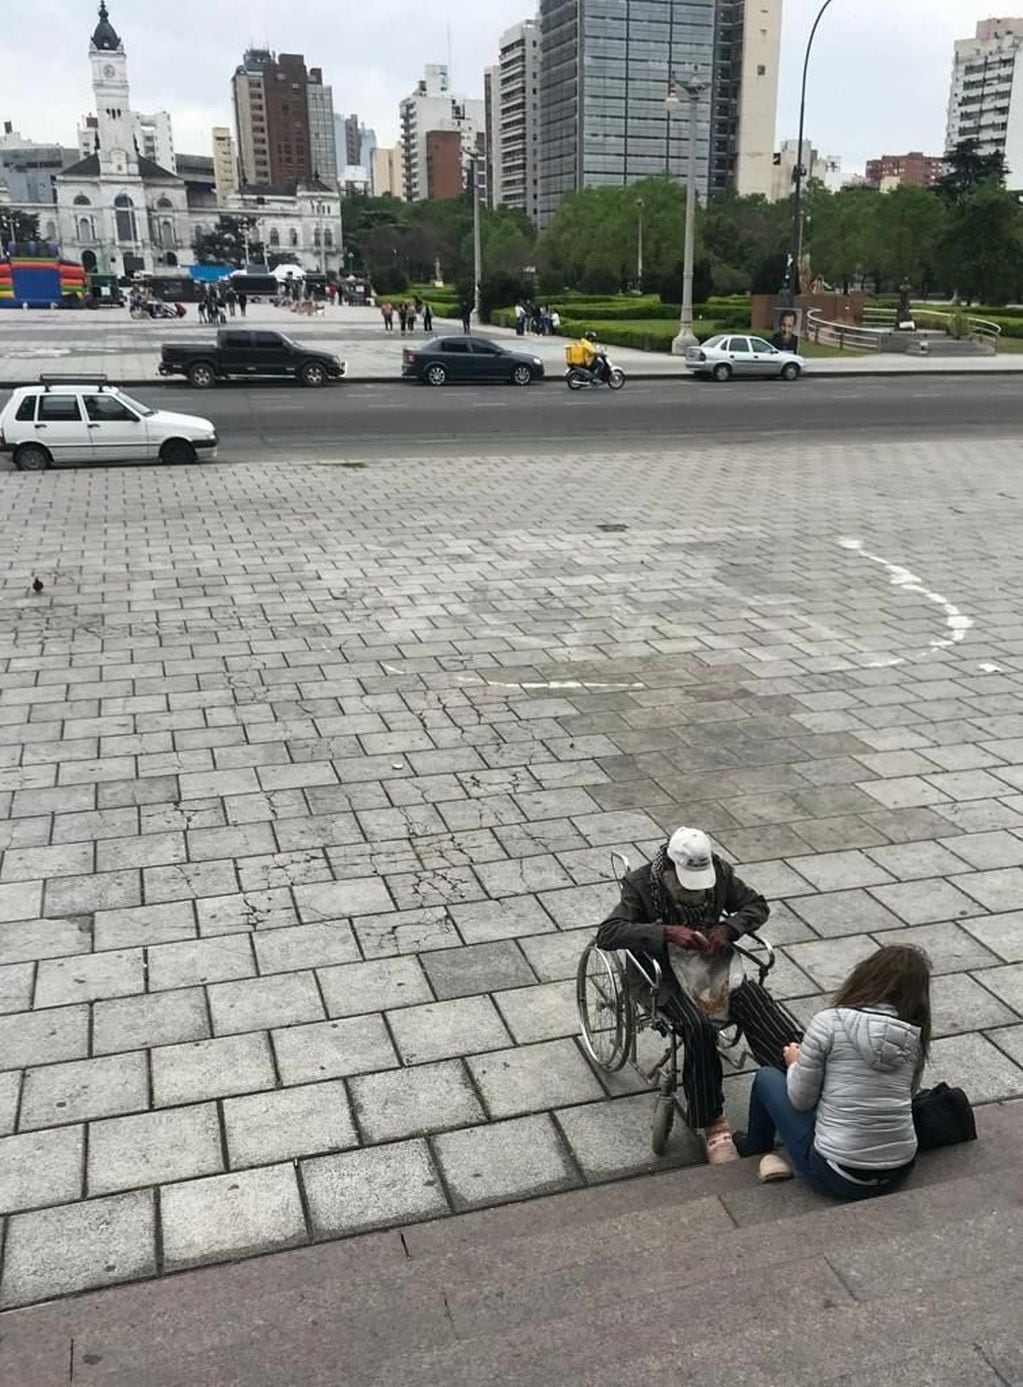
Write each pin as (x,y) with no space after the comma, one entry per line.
(639,246)
(690,90)
(792,286)
(477,240)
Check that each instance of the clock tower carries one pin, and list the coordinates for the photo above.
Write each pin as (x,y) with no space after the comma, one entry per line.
(117,153)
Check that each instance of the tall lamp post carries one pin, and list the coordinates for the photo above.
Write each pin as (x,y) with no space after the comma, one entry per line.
(639,245)
(792,286)
(689,90)
(477,238)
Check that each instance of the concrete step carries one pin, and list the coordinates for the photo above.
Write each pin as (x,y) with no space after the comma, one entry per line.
(508,1268)
(479,1293)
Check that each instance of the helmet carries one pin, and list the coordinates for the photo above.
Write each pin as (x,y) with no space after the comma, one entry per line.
(590,336)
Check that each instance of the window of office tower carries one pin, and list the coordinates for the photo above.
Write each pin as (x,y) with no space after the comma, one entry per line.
(631,48)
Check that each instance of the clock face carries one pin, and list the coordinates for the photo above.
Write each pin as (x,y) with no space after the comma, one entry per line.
(109,70)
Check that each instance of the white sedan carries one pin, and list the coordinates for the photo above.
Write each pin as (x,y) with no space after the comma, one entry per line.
(726,356)
(83,419)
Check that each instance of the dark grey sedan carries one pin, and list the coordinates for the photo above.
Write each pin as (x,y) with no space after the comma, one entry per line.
(444,360)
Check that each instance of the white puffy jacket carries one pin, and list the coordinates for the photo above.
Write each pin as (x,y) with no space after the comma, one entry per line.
(860,1068)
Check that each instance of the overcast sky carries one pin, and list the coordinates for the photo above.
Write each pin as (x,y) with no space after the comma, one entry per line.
(879,78)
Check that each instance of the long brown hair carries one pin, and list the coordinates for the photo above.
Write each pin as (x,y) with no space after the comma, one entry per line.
(899,976)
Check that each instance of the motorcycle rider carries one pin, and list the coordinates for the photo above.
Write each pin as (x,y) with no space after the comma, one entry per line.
(594,360)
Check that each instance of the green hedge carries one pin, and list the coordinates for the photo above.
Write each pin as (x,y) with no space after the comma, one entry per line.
(646,335)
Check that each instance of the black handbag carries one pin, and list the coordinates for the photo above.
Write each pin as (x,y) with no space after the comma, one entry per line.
(942,1116)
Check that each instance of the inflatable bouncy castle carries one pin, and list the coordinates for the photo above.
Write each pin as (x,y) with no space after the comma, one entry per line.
(33,275)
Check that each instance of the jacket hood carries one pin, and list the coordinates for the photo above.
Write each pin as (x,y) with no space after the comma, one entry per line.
(884,1041)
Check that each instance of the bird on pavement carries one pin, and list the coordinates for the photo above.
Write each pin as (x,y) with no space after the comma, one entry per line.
(37,585)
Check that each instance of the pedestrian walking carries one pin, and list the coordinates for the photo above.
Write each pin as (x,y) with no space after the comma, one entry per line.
(403,316)
(427,318)
(411,317)
(232,300)
(202,307)
(466,317)
(243,300)
(520,320)
(387,313)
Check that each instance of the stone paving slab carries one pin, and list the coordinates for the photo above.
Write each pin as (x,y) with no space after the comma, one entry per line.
(308,793)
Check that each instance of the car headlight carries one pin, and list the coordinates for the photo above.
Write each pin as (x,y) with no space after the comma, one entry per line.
(537,361)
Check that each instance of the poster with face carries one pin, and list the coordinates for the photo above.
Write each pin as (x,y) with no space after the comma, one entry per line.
(787,325)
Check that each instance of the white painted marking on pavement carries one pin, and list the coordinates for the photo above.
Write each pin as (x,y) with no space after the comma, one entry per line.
(956,621)
(990,669)
(552,684)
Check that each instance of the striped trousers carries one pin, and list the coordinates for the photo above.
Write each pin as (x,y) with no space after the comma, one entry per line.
(766,1025)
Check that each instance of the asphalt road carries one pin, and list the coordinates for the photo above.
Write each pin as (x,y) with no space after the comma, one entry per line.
(351,420)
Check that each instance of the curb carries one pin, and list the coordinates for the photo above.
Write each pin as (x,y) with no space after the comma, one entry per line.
(814,373)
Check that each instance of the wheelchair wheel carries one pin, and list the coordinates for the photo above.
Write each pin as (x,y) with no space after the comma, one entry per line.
(664,1119)
(605,1008)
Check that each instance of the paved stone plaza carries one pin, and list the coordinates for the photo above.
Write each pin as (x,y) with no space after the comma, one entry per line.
(309,778)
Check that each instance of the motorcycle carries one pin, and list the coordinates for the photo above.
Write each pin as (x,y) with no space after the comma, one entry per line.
(582,378)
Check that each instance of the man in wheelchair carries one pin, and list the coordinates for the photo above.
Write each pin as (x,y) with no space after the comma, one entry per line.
(689,899)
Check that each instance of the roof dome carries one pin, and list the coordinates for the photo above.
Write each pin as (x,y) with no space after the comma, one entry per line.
(105,36)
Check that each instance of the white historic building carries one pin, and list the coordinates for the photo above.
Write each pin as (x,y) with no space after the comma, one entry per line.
(118,212)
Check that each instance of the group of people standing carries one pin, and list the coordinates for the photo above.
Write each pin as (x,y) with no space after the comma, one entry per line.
(408,314)
(538,318)
(216,304)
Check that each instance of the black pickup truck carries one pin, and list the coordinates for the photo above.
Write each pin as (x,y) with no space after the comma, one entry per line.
(248,353)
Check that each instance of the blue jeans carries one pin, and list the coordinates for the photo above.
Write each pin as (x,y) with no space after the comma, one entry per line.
(771,1114)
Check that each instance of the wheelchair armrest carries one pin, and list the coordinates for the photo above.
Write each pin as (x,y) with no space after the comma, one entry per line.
(654,982)
(764,956)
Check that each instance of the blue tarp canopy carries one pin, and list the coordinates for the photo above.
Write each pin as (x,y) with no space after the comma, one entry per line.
(205,273)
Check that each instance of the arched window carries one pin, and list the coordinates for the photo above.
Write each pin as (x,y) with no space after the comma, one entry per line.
(316,238)
(50,231)
(293,237)
(164,203)
(275,237)
(170,258)
(82,201)
(124,213)
(328,238)
(85,232)
(167,237)
(89,261)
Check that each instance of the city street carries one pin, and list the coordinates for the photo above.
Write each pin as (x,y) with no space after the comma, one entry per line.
(287,423)
(308,787)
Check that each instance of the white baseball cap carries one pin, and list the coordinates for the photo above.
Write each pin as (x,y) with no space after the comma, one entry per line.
(690,851)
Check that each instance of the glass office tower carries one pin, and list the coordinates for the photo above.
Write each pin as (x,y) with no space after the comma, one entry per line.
(605,70)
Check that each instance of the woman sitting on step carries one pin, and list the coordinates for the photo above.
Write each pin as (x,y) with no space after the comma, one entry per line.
(843,1112)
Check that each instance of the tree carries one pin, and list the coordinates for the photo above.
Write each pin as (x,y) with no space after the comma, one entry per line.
(902,236)
(230,242)
(982,243)
(18,226)
(967,168)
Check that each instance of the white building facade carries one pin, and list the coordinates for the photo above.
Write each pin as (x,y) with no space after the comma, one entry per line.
(758,97)
(117,211)
(986,98)
(516,159)
(432,107)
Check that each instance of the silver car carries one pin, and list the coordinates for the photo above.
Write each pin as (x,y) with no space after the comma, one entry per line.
(726,356)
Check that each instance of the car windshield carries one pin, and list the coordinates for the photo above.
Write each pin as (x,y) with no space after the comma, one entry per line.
(132,403)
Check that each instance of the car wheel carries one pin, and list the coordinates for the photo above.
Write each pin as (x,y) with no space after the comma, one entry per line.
(617,378)
(522,375)
(722,371)
(176,452)
(435,374)
(313,374)
(201,375)
(32,457)
(790,371)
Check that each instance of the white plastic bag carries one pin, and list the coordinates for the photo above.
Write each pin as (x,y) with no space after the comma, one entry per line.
(707,980)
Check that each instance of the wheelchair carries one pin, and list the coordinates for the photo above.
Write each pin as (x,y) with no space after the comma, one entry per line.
(617,999)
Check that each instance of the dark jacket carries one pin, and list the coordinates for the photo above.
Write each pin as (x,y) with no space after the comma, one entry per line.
(635,924)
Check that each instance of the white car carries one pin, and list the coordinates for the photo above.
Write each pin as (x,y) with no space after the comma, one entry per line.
(83,419)
(729,355)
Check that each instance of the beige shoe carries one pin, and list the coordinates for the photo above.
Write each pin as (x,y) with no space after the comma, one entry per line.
(720,1146)
(774,1168)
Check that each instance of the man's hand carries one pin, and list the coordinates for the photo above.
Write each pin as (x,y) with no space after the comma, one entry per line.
(790,1054)
(720,939)
(684,938)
